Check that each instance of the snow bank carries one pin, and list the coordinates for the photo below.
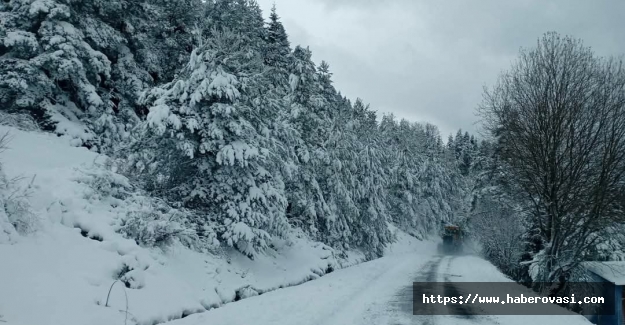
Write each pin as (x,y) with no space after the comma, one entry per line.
(475,269)
(62,274)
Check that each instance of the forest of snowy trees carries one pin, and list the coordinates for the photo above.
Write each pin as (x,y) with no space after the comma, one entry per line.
(208,107)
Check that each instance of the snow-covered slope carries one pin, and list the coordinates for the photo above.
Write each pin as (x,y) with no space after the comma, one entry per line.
(62,273)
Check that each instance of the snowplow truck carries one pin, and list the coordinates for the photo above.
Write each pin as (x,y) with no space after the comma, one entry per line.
(452,239)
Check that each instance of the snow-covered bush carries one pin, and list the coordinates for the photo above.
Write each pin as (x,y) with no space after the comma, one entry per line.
(153,228)
(18,120)
(610,244)
(105,184)
(148,220)
(18,209)
(16,216)
(499,228)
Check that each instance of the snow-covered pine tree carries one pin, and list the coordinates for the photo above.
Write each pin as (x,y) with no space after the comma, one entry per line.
(277,93)
(458,144)
(78,67)
(212,115)
(307,107)
(171,33)
(48,69)
(370,230)
(442,184)
(450,142)
(338,179)
(403,187)
(278,45)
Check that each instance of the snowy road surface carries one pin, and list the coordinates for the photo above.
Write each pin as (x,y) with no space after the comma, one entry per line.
(377,292)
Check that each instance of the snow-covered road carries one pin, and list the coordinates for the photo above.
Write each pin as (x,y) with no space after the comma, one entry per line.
(377,292)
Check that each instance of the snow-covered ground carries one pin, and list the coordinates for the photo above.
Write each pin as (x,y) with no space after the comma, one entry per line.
(62,273)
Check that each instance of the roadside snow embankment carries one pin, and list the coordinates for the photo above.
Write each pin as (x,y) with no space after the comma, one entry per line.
(475,269)
(62,273)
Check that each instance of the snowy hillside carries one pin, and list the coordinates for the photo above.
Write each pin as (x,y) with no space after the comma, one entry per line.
(61,273)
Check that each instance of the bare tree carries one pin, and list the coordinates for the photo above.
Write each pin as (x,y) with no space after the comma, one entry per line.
(558,116)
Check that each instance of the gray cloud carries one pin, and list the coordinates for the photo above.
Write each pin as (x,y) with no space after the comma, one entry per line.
(429,60)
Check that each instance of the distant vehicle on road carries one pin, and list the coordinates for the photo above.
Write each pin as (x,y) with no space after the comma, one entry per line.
(452,239)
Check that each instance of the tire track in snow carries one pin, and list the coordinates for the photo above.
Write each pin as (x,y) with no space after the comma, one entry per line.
(458,310)
(431,276)
(436,270)
(401,305)
(331,316)
(462,311)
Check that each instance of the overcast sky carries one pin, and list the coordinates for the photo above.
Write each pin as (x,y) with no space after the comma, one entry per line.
(428,60)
